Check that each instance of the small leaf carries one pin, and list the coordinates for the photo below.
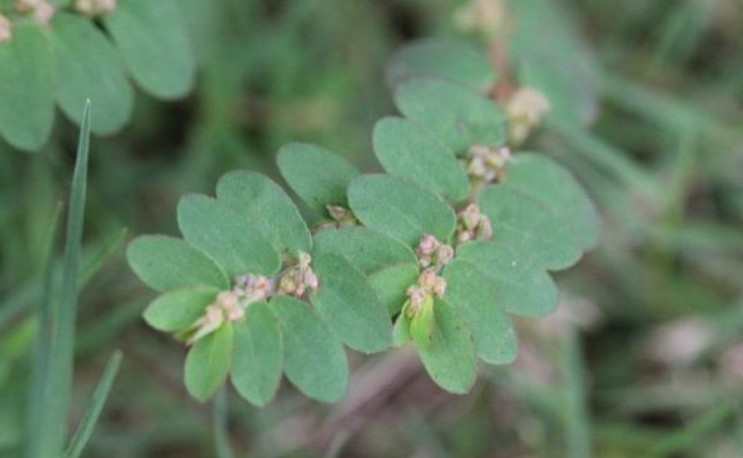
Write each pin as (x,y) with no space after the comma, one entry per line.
(407,151)
(89,67)
(314,360)
(400,208)
(176,310)
(152,40)
(208,363)
(450,358)
(368,250)
(257,360)
(391,284)
(455,60)
(267,207)
(225,236)
(472,295)
(521,286)
(167,263)
(319,177)
(459,117)
(349,304)
(540,177)
(529,228)
(26,87)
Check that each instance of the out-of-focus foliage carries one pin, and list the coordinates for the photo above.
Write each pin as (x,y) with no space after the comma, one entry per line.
(644,354)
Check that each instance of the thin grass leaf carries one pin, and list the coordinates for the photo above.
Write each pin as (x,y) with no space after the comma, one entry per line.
(576,416)
(97,402)
(55,393)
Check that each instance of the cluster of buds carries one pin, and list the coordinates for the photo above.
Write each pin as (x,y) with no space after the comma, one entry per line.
(485,17)
(41,11)
(525,111)
(6,29)
(226,307)
(433,254)
(296,280)
(95,7)
(429,285)
(252,288)
(473,225)
(488,164)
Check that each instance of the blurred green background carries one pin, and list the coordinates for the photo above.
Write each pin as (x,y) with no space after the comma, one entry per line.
(644,357)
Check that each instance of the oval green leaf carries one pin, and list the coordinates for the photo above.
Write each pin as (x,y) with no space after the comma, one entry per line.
(314,360)
(391,284)
(529,228)
(473,295)
(256,357)
(450,358)
(368,250)
(176,310)
(407,151)
(318,176)
(152,40)
(542,178)
(453,59)
(208,363)
(26,87)
(349,304)
(168,263)
(459,117)
(522,287)
(400,209)
(89,67)
(267,207)
(225,236)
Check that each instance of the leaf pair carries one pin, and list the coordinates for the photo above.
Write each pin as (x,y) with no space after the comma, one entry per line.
(74,60)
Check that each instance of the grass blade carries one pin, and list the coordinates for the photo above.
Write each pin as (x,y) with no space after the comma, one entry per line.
(49,432)
(577,421)
(100,395)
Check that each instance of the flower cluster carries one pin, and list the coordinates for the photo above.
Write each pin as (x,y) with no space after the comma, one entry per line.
(433,256)
(95,7)
(6,29)
(41,11)
(525,111)
(432,253)
(473,225)
(299,278)
(487,164)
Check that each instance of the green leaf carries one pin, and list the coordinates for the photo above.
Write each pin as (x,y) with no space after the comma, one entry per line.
(53,370)
(401,330)
(267,207)
(391,284)
(319,177)
(521,286)
(400,209)
(26,87)
(459,117)
(89,67)
(176,310)
(545,180)
(407,151)
(450,358)
(208,363)
(167,263)
(349,304)
(257,360)
(314,360)
(529,228)
(552,58)
(226,237)
(455,60)
(368,250)
(473,296)
(85,429)
(154,45)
